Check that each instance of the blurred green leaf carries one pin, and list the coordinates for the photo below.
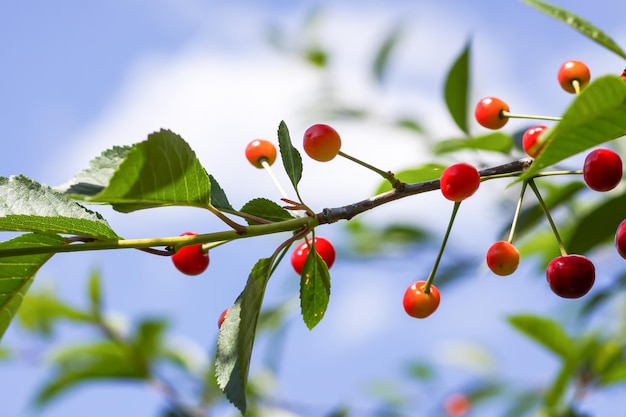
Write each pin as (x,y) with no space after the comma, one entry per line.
(314,288)
(456,88)
(578,23)
(381,59)
(494,142)
(366,239)
(148,337)
(95,292)
(557,389)
(409,124)
(422,371)
(265,209)
(426,172)
(614,375)
(292,161)
(546,332)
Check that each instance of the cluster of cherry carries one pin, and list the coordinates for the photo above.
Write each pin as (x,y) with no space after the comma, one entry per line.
(569,275)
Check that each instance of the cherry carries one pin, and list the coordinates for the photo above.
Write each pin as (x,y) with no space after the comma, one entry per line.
(456,405)
(571,276)
(459,181)
(259,150)
(623,74)
(191,260)
(323,248)
(222,318)
(321,142)
(502,258)
(572,71)
(530,140)
(418,303)
(620,239)
(602,170)
(488,113)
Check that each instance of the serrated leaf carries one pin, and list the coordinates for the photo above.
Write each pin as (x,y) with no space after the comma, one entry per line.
(265,209)
(17,272)
(381,60)
(456,89)
(426,172)
(218,196)
(578,23)
(236,336)
(494,142)
(160,171)
(597,116)
(546,332)
(314,288)
(292,161)
(26,205)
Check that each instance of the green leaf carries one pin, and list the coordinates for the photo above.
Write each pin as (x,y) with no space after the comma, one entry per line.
(560,383)
(494,142)
(26,205)
(596,227)
(457,87)
(381,60)
(236,336)
(579,24)
(597,116)
(265,209)
(616,374)
(292,161)
(160,171)
(218,196)
(148,338)
(314,288)
(94,291)
(41,310)
(546,332)
(17,272)
(426,172)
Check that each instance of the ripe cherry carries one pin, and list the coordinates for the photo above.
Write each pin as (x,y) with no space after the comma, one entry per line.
(530,140)
(418,303)
(572,71)
(459,181)
(620,239)
(321,142)
(623,74)
(488,113)
(222,318)
(323,248)
(602,170)
(191,260)
(502,258)
(259,150)
(571,276)
(457,405)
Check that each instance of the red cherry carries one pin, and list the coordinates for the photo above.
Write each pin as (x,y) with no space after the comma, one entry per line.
(321,142)
(530,141)
(620,239)
(191,260)
(502,258)
(573,70)
(323,248)
(419,304)
(488,113)
(457,405)
(571,276)
(259,150)
(623,75)
(459,181)
(222,318)
(602,170)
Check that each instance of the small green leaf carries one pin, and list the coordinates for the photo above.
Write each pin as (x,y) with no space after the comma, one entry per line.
(265,209)
(597,116)
(292,161)
(381,60)
(148,338)
(17,272)
(26,205)
(95,292)
(546,332)
(560,383)
(579,24)
(616,374)
(494,142)
(41,310)
(314,288)
(236,336)
(426,172)
(456,88)
(218,196)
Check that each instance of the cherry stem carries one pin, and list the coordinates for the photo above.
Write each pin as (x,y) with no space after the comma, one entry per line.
(546,210)
(239,228)
(274,179)
(529,116)
(388,175)
(518,209)
(431,276)
(207,246)
(576,85)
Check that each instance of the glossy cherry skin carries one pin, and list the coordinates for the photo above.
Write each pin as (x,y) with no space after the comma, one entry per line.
(191,260)
(222,317)
(573,70)
(488,113)
(620,239)
(323,247)
(502,258)
(459,181)
(530,140)
(259,150)
(602,170)
(571,276)
(419,304)
(321,142)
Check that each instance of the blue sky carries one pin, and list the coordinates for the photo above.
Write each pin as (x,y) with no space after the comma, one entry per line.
(79,78)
